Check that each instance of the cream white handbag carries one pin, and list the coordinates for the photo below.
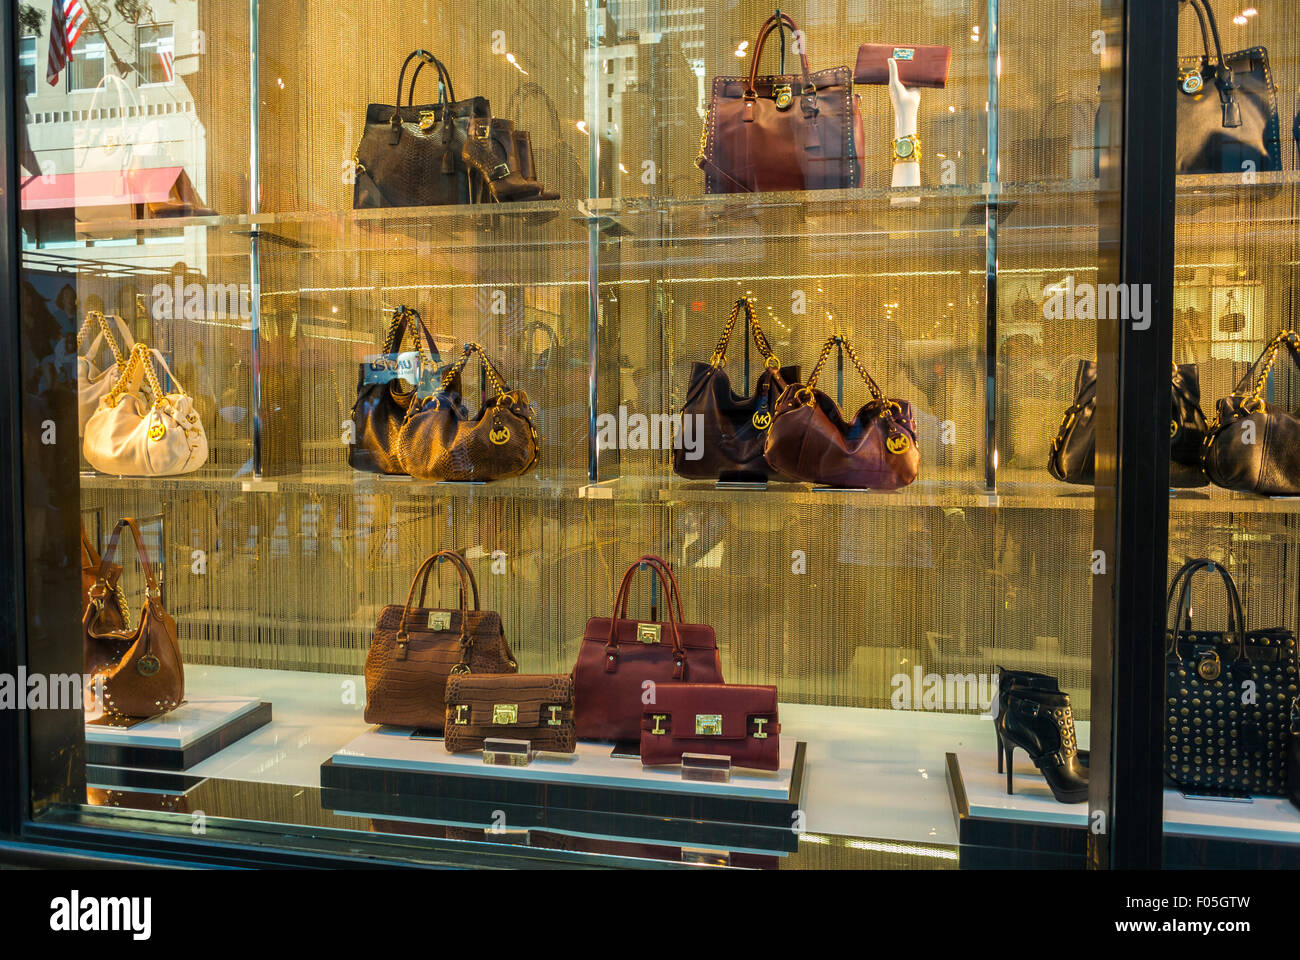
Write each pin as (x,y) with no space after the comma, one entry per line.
(139,431)
(93,383)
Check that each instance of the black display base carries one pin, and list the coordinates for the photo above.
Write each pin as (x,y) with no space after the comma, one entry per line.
(685,818)
(1002,842)
(180,756)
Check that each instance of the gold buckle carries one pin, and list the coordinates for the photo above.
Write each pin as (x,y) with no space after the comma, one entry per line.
(759,734)
(649,632)
(461,719)
(658,730)
(708,724)
(439,619)
(504,714)
(555,720)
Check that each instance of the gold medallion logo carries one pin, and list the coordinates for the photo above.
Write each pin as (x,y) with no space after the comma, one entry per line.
(898,443)
(499,434)
(761,420)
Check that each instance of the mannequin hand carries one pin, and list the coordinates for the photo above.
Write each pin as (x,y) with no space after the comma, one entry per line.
(906,102)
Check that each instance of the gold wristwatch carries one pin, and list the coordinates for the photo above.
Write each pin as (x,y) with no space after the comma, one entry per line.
(907,149)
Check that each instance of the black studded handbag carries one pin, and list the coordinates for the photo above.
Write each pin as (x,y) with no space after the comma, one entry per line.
(1227,106)
(1228,695)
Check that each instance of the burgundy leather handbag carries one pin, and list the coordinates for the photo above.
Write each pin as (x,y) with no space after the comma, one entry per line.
(797,132)
(734,428)
(618,656)
(810,439)
(722,719)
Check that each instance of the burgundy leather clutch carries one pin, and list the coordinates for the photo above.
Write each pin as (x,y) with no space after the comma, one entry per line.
(724,719)
(619,655)
(921,66)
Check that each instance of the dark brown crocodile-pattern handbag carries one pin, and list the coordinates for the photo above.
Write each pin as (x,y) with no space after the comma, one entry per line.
(514,706)
(439,439)
(416,648)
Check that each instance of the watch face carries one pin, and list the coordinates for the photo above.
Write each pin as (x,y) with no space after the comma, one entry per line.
(903,148)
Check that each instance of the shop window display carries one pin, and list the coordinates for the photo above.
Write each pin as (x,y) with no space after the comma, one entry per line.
(739,369)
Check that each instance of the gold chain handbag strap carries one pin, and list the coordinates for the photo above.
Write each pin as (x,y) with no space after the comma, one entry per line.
(898,441)
(406,320)
(142,357)
(1254,401)
(97,317)
(746,305)
(493,376)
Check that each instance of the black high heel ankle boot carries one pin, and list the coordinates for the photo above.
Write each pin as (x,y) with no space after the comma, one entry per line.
(1041,723)
(1033,681)
(488,160)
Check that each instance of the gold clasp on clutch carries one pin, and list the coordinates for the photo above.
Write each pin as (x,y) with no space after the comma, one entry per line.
(504,714)
(648,632)
(759,734)
(555,720)
(708,724)
(659,718)
(461,718)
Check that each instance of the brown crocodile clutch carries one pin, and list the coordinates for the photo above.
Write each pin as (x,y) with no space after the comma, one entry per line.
(515,706)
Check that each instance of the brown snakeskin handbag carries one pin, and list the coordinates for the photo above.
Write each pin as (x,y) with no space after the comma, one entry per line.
(139,672)
(416,648)
(514,706)
(439,440)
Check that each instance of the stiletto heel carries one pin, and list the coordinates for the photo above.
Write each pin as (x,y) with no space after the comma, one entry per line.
(491,160)
(1041,723)
(998,734)
(1010,752)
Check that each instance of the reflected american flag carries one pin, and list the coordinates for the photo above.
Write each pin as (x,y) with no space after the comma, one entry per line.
(66,20)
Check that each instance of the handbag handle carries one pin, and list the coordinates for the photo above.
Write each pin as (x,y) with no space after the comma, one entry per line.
(456,560)
(827,347)
(493,376)
(88,551)
(746,305)
(611,646)
(446,92)
(530,88)
(674,595)
(1263,367)
(106,333)
(403,319)
(100,587)
(1183,611)
(1222,72)
(466,641)
(141,360)
(772,22)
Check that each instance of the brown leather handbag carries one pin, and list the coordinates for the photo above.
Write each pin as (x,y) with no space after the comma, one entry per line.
(734,428)
(139,671)
(440,441)
(416,648)
(382,402)
(792,132)
(114,612)
(811,441)
(724,719)
(514,706)
(618,657)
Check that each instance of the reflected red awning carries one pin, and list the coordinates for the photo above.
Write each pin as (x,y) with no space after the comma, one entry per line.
(100,188)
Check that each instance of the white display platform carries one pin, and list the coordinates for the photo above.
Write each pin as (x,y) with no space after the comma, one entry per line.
(392,748)
(195,730)
(1197,831)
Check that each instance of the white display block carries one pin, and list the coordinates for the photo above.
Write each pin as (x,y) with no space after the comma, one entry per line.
(194,731)
(392,748)
(1262,820)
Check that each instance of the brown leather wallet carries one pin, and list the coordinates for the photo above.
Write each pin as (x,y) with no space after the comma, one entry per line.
(918,66)
(515,706)
(733,720)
